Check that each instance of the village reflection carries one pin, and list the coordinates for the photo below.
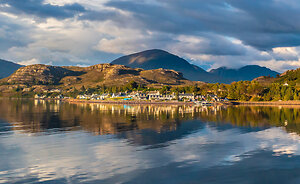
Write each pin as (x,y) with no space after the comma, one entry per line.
(157,124)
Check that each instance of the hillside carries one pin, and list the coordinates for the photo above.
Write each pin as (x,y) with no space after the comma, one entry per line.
(291,77)
(155,59)
(249,72)
(288,78)
(39,75)
(7,68)
(118,75)
(101,74)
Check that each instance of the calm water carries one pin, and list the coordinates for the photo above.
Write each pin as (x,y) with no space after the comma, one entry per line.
(53,142)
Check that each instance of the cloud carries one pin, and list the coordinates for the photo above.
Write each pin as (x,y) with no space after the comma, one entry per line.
(40,9)
(29,62)
(13,33)
(207,148)
(211,33)
(262,24)
(208,44)
(128,41)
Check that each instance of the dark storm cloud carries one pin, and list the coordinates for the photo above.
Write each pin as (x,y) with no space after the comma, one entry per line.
(261,24)
(217,32)
(41,10)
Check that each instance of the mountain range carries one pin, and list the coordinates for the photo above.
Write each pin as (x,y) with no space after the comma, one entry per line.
(249,72)
(7,68)
(152,60)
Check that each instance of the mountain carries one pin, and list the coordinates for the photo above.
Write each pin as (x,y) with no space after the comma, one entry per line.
(101,74)
(7,68)
(151,67)
(155,59)
(249,72)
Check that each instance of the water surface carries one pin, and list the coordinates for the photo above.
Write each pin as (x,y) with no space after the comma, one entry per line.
(55,142)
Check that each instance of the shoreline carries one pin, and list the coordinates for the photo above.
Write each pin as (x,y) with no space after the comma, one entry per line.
(137,102)
(267,103)
(233,103)
(128,102)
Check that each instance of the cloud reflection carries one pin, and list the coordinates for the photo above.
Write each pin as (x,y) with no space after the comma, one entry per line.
(74,155)
(130,144)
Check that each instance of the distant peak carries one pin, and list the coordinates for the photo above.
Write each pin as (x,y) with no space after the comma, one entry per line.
(155,50)
(253,66)
(152,51)
(5,61)
(222,67)
(240,68)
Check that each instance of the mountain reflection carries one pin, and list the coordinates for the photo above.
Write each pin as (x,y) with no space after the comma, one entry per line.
(57,142)
(155,124)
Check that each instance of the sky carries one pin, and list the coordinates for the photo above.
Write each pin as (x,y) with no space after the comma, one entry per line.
(208,33)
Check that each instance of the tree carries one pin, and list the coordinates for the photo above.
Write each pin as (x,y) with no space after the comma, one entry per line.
(288,94)
(164,89)
(296,96)
(82,89)
(131,86)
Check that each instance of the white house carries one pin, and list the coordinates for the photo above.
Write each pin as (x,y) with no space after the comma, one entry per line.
(187,96)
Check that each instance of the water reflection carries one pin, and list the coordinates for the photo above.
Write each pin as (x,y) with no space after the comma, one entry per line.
(41,116)
(51,141)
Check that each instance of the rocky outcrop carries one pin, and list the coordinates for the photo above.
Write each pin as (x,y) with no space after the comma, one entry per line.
(111,71)
(39,75)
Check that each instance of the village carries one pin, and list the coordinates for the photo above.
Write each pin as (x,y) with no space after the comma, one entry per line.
(139,96)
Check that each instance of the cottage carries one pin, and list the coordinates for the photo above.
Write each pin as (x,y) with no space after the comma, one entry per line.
(168,97)
(137,95)
(82,97)
(95,97)
(103,96)
(154,95)
(116,95)
(143,96)
(200,97)
(186,96)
